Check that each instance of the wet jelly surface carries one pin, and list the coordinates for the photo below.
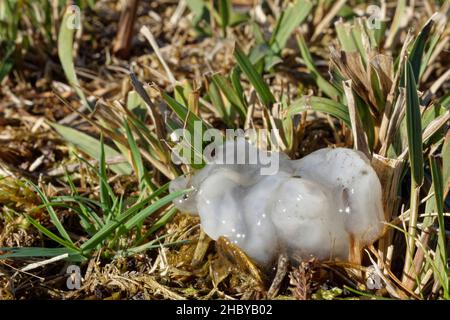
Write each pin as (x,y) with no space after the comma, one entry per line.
(306,207)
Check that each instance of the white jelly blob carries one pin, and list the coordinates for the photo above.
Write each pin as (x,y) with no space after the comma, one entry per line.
(308,207)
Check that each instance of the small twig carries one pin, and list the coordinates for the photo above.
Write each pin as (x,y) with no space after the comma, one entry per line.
(176,16)
(379,273)
(18,270)
(74,167)
(359,136)
(279,276)
(45,262)
(152,110)
(151,39)
(126,25)
(325,21)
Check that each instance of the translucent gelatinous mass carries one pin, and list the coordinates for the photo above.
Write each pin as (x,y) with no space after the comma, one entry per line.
(307,207)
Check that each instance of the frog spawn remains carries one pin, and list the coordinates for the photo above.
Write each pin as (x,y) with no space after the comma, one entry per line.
(326,205)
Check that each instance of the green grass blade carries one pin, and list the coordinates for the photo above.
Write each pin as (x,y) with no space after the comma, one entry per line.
(100,176)
(53,216)
(414,126)
(290,19)
(7,62)
(320,104)
(344,34)
(432,46)
(136,158)
(256,80)
(105,190)
(138,218)
(417,50)
(91,147)
(66,243)
(65,50)
(230,93)
(28,252)
(225,14)
(441,252)
(131,218)
(192,141)
(400,11)
(160,223)
(236,82)
(90,220)
(218,103)
(446,164)
(323,84)
(150,245)
(183,113)
(201,14)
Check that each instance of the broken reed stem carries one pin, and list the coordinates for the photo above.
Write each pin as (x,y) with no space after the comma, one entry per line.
(122,42)
(389,172)
(409,272)
(327,19)
(152,41)
(359,136)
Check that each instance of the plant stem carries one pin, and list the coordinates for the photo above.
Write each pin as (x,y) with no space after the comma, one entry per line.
(409,272)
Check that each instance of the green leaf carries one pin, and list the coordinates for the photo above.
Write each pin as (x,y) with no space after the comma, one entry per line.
(367,121)
(257,33)
(201,14)
(445,100)
(446,164)
(225,15)
(161,222)
(135,155)
(138,218)
(323,84)
(415,56)
(105,198)
(192,143)
(90,221)
(320,104)
(237,18)
(289,19)
(344,34)
(260,52)
(413,125)
(150,245)
(258,83)
(236,82)
(65,51)
(441,253)
(181,93)
(7,62)
(183,113)
(136,105)
(432,46)
(131,217)
(400,12)
(28,252)
(91,147)
(66,243)
(52,213)
(218,103)
(229,92)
